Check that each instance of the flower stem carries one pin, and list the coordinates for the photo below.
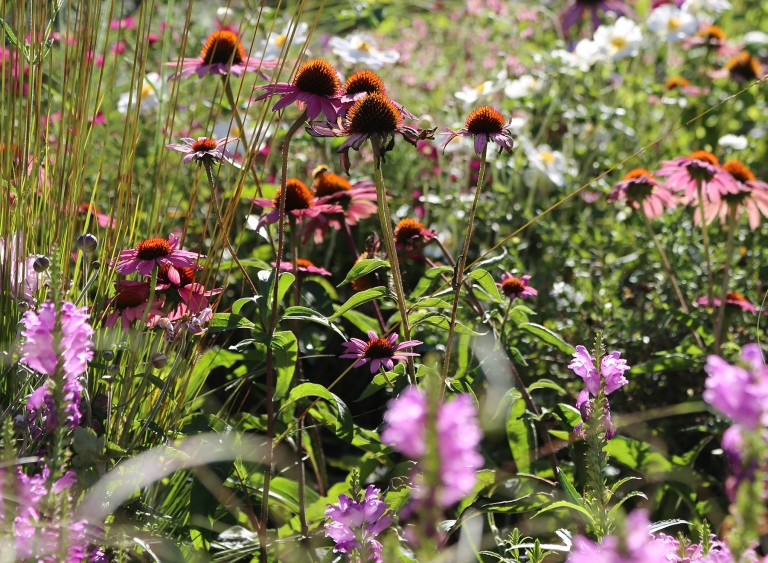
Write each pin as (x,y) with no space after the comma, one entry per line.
(220,224)
(729,247)
(389,241)
(458,274)
(666,263)
(150,300)
(270,376)
(705,238)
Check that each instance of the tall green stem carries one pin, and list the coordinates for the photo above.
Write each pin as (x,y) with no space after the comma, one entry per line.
(458,274)
(270,376)
(720,320)
(389,241)
(705,238)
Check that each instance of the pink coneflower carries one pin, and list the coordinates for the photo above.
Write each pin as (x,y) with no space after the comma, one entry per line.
(357,201)
(299,202)
(685,173)
(222,54)
(381,352)
(193,296)
(155,252)
(484,124)
(362,83)
(572,13)
(203,150)
(683,85)
(315,87)
(411,235)
(130,302)
(753,197)
(102,219)
(373,117)
(514,287)
(641,190)
(304,266)
(743,67)
(732,299)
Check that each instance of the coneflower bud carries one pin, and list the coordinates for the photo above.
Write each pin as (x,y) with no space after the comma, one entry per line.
(87,243)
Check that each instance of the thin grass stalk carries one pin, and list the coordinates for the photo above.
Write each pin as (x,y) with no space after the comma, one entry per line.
(458,275)
(389,241)
(270,376)
(729,248)
(707,256)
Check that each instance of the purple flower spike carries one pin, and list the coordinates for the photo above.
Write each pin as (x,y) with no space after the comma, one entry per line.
(352,520)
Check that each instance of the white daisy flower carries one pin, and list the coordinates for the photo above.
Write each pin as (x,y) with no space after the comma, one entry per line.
(275,42)
(522,87)
(672,23)
(620,40)
(470,94)
(148,96)
(550,163)
(360,50)
(733,142)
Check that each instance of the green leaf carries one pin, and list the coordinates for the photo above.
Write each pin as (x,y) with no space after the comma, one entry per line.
(285,351)
(358,299)
(221,322)
(362,321)
(570,491)
(428,279)
(519,434)
(364,267)
(341,419)
(486,282)
(569,505)
(632,494)
(307,314)
(9,33)
(546,335)
(245,262)
(668,363)
(546,384)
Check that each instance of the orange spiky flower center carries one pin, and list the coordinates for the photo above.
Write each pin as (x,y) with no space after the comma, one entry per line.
(712,33)
(736,296)
(222,47)
(676,82)
(484,119)
(328,183)
(643,188)
(407,229)
(186,275)
(304,263)
(317,77)
(512,286)
(743,66)
(373,114)
(379,348)
(638,173)
(297,195)
(739,170)
(364,81)
(704,156)
(153,248)
(204,145)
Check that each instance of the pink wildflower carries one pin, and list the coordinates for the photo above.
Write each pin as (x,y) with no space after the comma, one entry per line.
(130,302)
(222,54)
(203,150)
(484,124)
(380,351)
(685,174)
(514,287)
(192,295)
(734,299)
(299,203)
(642,191)
(411,235)
(752,197)
(155,252)
(353,520)
(304,266)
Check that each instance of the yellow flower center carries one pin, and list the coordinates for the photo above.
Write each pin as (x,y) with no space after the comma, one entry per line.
(673,24)
(547,157)
(280,40)
(618,43)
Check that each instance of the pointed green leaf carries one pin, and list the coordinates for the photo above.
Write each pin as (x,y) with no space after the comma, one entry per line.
(358,299)
(364,267)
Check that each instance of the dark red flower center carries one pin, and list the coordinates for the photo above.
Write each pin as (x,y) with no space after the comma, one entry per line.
(739,170)
(186,275)
(204,145)
(406,230)
(297,195)
(153,248)
(676,82)
(373,114)
(131,296)
(704,156)
(512,287)
(317,77)
(222,47)
(379,348)
(743,67)
(328,183)
(364,81)
(485,119)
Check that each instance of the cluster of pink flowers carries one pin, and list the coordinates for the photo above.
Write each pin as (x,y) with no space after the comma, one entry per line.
(458,438)
(63,353)
(639,545)
(740,392)
(609,378)
(178,296)
(355,524)
(696,179)
(39,533)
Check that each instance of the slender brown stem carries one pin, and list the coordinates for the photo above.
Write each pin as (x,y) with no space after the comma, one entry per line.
(220,224)
(270,376)
(389,241)
(458,274)
(729,247)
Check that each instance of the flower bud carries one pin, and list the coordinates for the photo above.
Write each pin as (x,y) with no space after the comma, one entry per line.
(41,264)
(159,359)
(87,243)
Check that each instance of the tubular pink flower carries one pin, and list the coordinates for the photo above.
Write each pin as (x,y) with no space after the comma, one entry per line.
(406,420)
(381,351)
(612,369)
(352,520)
(155,252)
(38,348)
